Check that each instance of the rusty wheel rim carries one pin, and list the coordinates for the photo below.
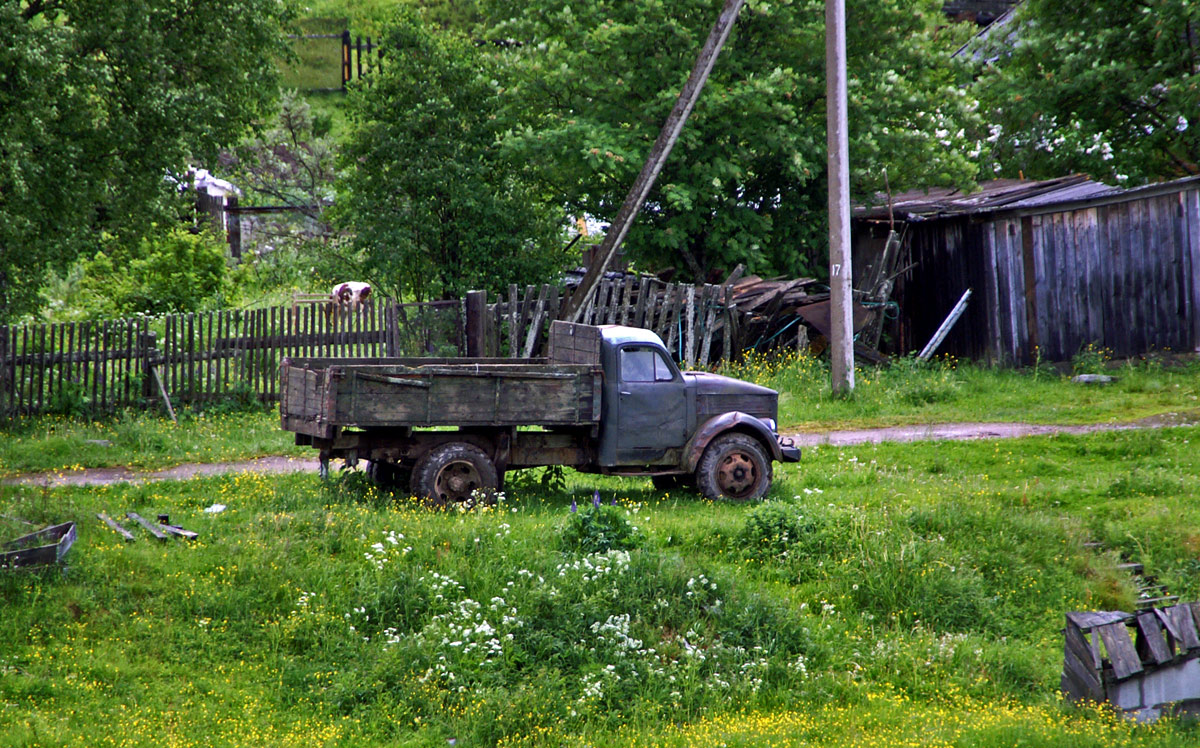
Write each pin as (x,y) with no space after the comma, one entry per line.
(736,475)
(457,481)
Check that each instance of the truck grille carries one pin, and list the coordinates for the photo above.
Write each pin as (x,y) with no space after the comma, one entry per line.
(755,405)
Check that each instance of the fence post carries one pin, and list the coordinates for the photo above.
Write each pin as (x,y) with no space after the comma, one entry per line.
(476,324)
(147,341)
(233,228)
(4,394)
(346,70)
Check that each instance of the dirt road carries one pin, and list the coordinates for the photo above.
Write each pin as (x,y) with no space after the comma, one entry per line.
(924,432)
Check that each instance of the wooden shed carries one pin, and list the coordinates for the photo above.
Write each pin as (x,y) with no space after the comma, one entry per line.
(1053,267)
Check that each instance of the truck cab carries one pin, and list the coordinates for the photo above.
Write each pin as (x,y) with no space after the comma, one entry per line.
(660,421)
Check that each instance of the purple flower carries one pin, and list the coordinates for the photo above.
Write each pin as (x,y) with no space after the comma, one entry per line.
(596,499)
(573,507)
(614,500)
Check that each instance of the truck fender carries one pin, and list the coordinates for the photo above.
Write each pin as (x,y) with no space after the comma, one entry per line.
(734,420)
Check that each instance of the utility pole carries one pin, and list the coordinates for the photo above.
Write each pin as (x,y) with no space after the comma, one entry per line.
(841,300)
(654,162)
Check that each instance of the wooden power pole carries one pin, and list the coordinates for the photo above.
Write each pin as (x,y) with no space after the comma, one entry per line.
(654,162)
(841,321)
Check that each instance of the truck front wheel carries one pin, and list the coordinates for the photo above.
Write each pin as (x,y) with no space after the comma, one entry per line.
(734,466)
(454,472)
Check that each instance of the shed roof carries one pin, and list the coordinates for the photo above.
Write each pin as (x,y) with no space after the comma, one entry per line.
(1012,195)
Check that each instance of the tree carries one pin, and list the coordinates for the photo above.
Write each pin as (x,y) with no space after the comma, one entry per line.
(173,270)
(746,181)
(291,163)
(100,102)
(434,207)
(1112,91)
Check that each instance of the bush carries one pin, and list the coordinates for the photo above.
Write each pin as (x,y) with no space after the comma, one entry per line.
(600,529)
(173,271)
(785,529)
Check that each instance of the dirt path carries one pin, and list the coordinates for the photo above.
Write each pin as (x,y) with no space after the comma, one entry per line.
(926,432)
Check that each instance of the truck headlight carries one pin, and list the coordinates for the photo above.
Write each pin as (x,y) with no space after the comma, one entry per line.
(771,424)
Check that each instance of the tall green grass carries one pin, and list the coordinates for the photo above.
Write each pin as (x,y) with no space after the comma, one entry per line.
(948,390)
(882,595)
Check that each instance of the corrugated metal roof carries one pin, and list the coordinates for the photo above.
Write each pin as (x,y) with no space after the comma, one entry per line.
(1008,195)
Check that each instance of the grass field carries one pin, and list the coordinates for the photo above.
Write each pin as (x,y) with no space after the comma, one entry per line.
(884,595)
(946,390)
(140,441)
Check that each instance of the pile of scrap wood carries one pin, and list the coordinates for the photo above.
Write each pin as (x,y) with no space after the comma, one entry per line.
(775,312)
(764,313)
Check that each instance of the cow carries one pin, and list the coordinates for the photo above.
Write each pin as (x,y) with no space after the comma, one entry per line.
(350,296)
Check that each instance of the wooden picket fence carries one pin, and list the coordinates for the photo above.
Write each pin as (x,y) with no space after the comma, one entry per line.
(196,358)
(201,358)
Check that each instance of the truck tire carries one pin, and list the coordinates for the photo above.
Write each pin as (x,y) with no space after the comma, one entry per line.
(454,473)
(734,466)
(388,474)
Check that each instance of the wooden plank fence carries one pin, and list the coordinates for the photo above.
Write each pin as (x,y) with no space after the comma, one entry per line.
(698,323)
(204,357)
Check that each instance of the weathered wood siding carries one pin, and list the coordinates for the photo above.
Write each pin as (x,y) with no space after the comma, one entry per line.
(1122,276)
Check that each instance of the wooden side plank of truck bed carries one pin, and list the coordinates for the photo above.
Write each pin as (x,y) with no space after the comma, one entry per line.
(320,396)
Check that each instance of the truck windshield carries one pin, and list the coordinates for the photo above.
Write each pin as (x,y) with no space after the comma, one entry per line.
(644,365)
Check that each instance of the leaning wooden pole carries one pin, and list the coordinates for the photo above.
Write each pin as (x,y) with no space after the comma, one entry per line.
(654,162)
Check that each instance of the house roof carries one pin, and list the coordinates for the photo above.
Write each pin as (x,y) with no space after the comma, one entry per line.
(980,11)
(993,41)
(1011,195)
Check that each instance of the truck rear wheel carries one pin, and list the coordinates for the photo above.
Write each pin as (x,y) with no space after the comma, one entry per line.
(734,466)
(683,482)
(388,474)
(453,473)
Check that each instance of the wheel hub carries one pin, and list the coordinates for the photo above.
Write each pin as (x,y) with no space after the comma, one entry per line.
(457,481)
(736,475)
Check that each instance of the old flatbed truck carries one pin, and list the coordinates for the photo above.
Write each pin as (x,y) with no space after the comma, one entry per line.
(606,400)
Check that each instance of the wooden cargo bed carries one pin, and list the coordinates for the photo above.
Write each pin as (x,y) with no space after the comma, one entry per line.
(320,396)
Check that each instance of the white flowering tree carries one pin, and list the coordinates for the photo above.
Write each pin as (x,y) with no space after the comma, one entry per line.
(1111,90)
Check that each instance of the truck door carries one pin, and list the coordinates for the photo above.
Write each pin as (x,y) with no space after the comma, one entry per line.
(652,407)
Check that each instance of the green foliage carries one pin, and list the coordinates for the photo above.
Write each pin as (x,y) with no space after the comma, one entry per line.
(547,480)
(1091,359)
(72,399)
(1110,92)
(599,529)
(777,528)
(746,181)
(435,208)
(169,271)
(100,103)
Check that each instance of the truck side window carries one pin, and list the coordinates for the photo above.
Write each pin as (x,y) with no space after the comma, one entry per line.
(644,365)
